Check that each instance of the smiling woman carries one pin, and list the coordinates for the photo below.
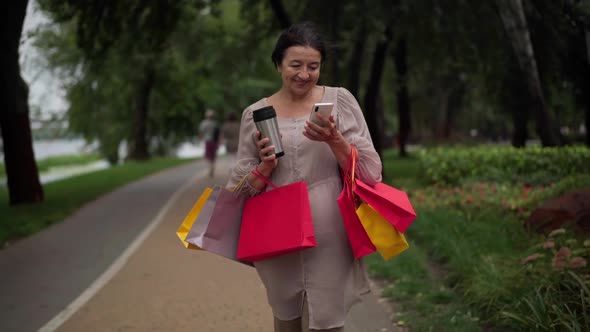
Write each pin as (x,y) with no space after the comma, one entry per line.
(316,287)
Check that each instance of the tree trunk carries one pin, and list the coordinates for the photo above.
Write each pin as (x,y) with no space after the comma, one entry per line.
(511,13)
(520,132)
(403,99)
(19,158)
(280,13)
(139,149)
(587,35)
(373,113)
(333,62)
(442,126)
(356,59)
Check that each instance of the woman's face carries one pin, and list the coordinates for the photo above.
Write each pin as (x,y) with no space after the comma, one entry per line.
(300,69)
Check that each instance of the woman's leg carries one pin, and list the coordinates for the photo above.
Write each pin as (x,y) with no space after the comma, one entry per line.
(305,321)
(288,325)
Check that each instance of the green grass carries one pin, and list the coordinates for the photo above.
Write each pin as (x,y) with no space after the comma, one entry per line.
(475,248)
(401,172)
(57,161)
(426,303)
(64,197)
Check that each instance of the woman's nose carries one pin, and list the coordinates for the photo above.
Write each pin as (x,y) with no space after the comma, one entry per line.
(303,74)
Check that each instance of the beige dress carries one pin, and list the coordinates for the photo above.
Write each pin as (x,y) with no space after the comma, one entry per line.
(328,275)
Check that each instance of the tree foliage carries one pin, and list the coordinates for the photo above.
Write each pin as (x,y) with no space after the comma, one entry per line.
(460,70)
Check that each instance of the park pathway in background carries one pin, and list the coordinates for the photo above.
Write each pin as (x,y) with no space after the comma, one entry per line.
(160,286)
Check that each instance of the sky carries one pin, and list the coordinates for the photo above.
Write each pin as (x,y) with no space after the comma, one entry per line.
(44,87)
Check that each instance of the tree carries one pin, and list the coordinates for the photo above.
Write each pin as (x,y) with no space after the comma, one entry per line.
(138,29)
(513,18)
(374,111)
(19,160)
(403,98)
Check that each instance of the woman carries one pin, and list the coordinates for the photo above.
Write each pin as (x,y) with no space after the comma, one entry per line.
(322,283)
(209,132)
(229,133)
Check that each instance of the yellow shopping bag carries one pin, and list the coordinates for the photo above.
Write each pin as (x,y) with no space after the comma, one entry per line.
(386,238)
(186,225)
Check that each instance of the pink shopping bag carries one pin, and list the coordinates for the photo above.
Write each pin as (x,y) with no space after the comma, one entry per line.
(391,203)
(357,236)
(276,222)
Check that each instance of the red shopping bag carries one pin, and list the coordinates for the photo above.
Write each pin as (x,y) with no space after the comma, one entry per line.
(276,222)
(391,203)
(357,236)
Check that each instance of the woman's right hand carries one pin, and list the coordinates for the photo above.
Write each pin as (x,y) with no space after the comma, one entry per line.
(266,155)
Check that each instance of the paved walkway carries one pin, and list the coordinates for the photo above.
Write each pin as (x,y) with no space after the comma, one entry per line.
(88,274)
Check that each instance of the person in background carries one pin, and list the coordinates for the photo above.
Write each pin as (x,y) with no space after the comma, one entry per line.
(230,131)
(311,289)
(209,132)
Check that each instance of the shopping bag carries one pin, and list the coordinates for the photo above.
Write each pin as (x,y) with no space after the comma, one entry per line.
(190,218)
(360,242)
(386,238)
(217,228)
(276,222)
(391,203)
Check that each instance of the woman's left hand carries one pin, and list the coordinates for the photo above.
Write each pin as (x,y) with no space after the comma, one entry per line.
(326,133)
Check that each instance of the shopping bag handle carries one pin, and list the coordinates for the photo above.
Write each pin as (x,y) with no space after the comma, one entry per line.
(261,176)
(349,175)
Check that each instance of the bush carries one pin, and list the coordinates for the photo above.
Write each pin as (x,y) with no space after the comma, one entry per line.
(560,299)
(514,198)
(530,166)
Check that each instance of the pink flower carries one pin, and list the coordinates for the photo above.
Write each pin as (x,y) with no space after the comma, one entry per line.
(560,257)
(548,244)
(563,253)
(530,258)
(577,262)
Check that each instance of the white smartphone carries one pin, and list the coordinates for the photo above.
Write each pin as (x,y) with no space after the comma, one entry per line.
(325,109)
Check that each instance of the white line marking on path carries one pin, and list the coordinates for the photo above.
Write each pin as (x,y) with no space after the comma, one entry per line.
(117,265)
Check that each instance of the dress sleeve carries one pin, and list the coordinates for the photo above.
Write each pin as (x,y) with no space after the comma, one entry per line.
(353,127)
(247,155)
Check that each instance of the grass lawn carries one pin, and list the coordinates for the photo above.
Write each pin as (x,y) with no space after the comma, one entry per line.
(64,197)
(66,160)
(413,282)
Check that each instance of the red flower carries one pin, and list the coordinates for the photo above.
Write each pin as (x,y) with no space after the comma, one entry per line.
(469,199)
(576,262)
(561,256)
(530,258)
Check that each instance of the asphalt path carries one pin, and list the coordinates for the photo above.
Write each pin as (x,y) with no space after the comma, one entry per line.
(42,274)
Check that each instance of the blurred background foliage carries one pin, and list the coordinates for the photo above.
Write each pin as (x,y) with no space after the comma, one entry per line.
(425,72)
(166,62)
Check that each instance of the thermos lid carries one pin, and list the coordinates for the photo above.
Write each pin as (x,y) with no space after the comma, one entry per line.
(264,113)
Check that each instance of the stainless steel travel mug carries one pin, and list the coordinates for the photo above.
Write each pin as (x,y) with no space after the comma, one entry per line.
(265,120)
